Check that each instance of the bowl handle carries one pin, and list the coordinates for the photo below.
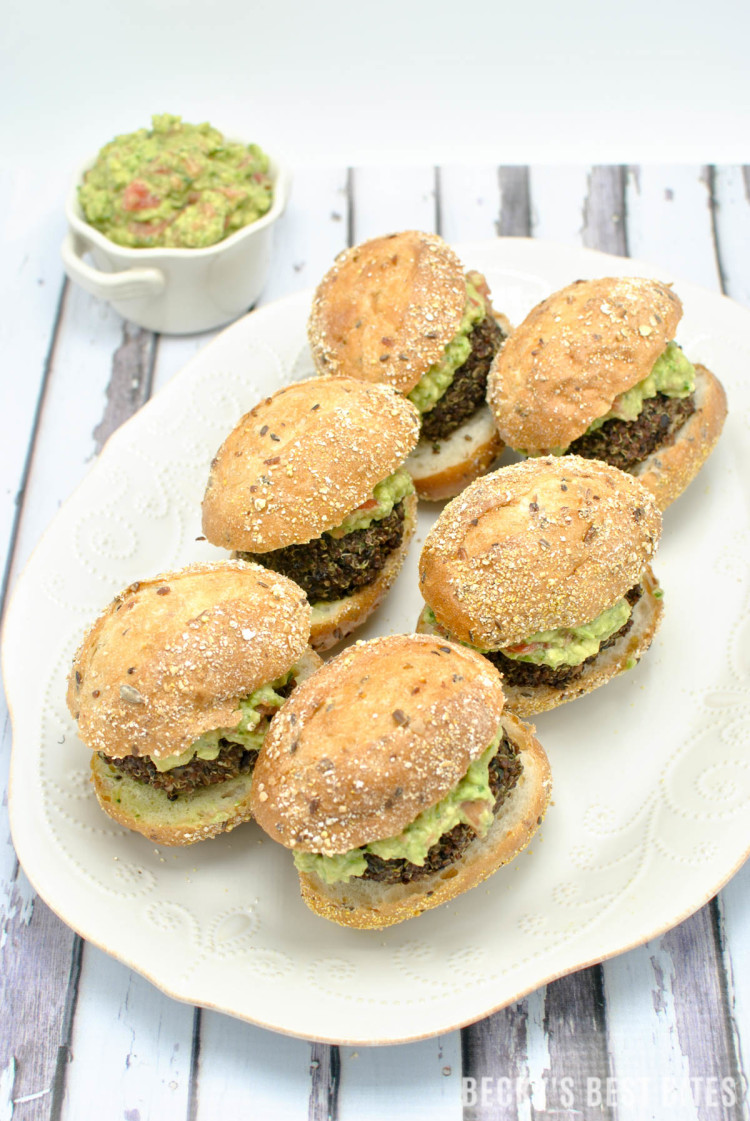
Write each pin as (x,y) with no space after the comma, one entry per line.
(130,284)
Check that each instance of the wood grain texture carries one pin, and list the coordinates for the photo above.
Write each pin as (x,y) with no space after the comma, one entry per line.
(130,381)
(142,1060)
(515,202)
(604,218)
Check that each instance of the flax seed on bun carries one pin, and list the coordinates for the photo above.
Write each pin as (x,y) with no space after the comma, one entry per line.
(290,473)
(169,661)
(382,733)
(576,353)
(541,545)
(387,311)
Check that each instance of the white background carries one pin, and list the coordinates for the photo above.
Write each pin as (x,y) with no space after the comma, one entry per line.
(335,81)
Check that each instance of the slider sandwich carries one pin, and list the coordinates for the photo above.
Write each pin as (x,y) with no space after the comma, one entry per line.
(543,566)
(401,310)
(174,687)
(398,780)
(311,483)
(594,371)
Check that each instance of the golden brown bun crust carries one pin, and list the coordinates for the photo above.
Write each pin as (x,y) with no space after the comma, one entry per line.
(303,459)
(383,731)
(170,657)
(624,654)
(387,309)
(667,472)
(369,905)
(573,354)
(442,469)
(333,621)
(545,543)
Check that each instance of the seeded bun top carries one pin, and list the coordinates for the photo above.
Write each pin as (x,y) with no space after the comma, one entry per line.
(170,657)
(573,354)
(303,459)
(387,309)
(546,543)
(380,733)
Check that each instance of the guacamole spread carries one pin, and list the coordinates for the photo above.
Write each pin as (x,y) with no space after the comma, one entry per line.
(433,384)
(387,494)
(569,646)
(672,374)
(247,732)
(176,185)
(415,841)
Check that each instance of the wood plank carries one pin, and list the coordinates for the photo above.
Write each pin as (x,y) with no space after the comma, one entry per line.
(244,1071)
(390,199)
(419,1081)
(669,221)
(515,202)
(143,1059)
(31,279)
(558,197)
(469,202)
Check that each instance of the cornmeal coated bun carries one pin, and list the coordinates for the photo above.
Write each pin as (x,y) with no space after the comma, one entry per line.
(370,905)
(303,459)
(387,309)
(206,812)
(383,731)
(624,654)
(669,470)
(541,544)
(335,619)
(441,469)
(574,353)
(170,657)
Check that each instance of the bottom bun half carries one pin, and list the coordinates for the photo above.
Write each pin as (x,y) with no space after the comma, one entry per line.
(370,905)
(527,700)
(205,813)
(333,621)
(441,469)
(669,470)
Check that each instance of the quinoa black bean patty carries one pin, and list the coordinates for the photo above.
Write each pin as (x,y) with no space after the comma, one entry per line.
(233,760)
(519,673)
(626,443)
(329,568)
(468,389)
(504,772)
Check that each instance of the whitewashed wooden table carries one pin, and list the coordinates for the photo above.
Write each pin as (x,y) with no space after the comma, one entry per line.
(662,1031)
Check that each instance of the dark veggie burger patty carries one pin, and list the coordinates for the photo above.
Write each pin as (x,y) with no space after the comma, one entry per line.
(233,760)
(626,443)
(504,772)
(468,389)
(516,672)
(329,568)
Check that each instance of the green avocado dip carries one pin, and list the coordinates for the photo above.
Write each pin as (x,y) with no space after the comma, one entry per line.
(564,646)
(249,732)
(471,802)
(386,494)
(433,384)
(176,186)
(569,646)
(672,374)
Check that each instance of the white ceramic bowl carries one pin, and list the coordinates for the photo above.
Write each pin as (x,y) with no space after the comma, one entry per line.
(174,291)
